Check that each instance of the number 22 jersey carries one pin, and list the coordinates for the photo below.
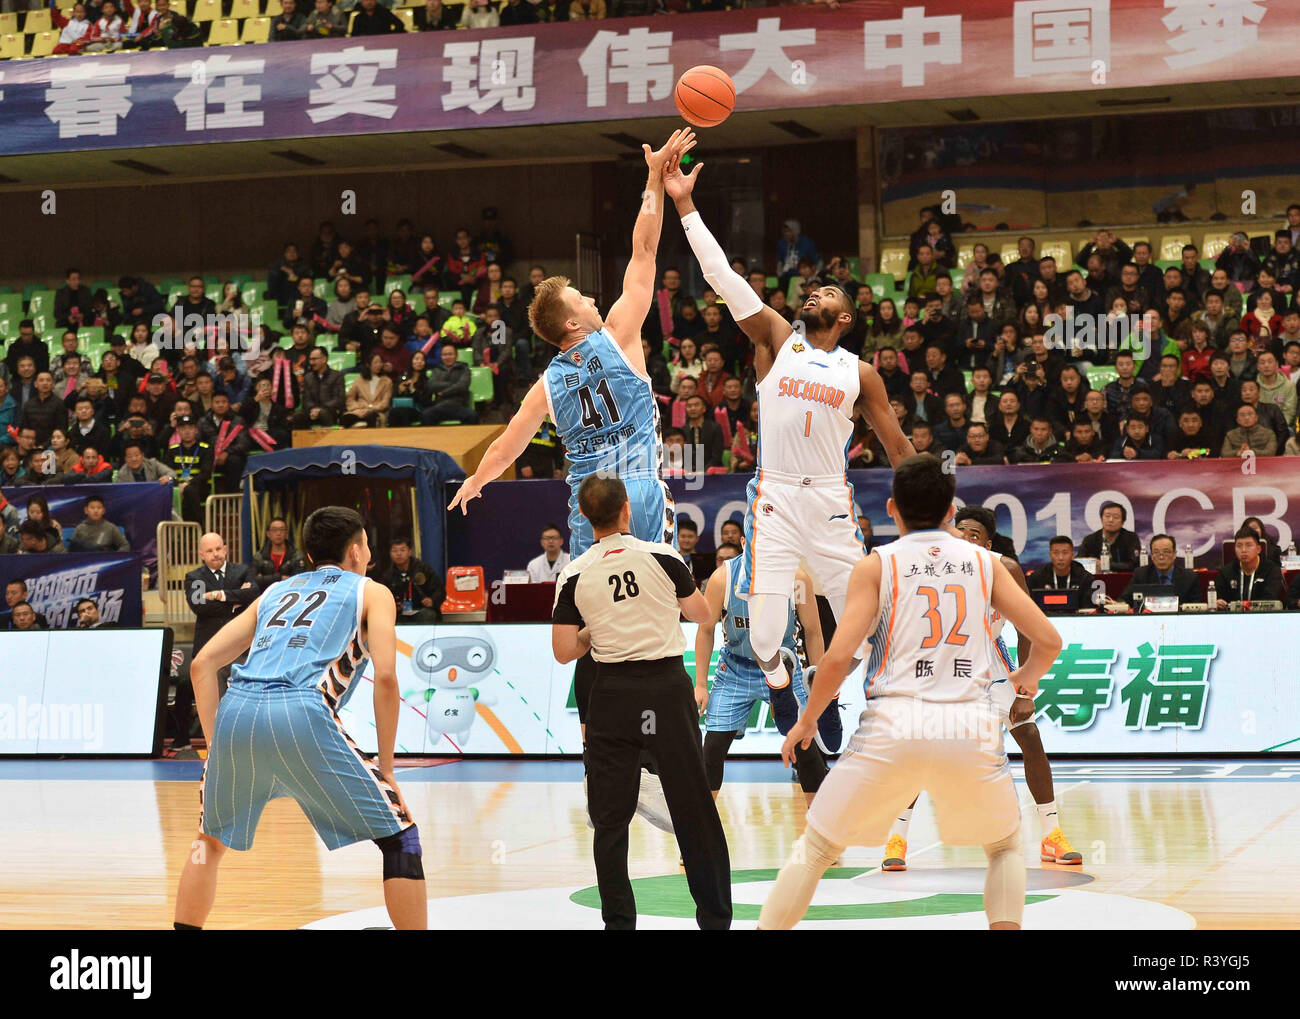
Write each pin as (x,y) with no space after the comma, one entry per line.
(308,636)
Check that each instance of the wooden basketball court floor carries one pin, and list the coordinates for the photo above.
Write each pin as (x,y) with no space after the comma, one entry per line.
(1167,844)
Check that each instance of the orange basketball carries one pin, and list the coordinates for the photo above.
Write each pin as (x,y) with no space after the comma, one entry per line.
(705,96)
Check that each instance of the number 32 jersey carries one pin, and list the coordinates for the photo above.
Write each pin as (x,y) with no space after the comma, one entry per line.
(935,638)
(604,410)
(308,636)
(805,410)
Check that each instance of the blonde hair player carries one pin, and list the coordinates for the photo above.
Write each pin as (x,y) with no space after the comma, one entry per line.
(977,525)
(810,390)
(927,600)
(597,392)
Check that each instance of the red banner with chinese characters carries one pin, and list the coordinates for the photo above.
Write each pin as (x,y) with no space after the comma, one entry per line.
(780,57)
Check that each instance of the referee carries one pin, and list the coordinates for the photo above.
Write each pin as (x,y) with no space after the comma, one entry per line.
(622,600)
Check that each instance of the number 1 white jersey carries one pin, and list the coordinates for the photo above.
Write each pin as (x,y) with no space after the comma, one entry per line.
(805,410)
(936,638)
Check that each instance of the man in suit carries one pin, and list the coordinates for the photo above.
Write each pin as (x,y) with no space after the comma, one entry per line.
(217,592)
(1165,571)
(1253,577)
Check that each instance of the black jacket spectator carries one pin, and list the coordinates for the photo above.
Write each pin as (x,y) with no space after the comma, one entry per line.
(141,301)
(1266,585)
(1124,549)
(1045,576)
(1185,582)
(707,438)
(44,415)
(97,437)
(65,299)
(265,570)
(33,348)
(328,390)
(377,20)
(418,581)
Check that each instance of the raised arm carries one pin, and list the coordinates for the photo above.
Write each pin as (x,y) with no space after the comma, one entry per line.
(766,329)
(873,406)
(629,312)
(506,448)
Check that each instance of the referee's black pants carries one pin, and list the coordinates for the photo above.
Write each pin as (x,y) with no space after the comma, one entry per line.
(649,706)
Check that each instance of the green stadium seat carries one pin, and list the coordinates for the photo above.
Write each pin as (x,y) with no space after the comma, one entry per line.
(322,288)
(342,360)
(172,285)
(42,322)
(11,306)
(480,384)
(30,289)
(855,267)
(251,293)
(41,302)
(87,335)
(445,297)
(1207,264)
(958,278)
(214,294)
(465,355)
(772,282)
(402,283)
(882,284)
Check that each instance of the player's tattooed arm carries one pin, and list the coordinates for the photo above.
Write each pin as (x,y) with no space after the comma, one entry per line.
(873,406)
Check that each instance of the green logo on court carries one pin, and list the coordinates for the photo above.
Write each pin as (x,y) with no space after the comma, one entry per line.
(669,896)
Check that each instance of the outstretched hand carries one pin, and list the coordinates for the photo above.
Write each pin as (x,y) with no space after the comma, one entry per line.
(679,143)
(678,185)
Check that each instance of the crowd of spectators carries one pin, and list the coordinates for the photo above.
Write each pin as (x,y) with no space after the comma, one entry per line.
(104,26)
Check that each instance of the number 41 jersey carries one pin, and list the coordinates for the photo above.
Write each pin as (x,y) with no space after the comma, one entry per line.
(308,636)
(604,410)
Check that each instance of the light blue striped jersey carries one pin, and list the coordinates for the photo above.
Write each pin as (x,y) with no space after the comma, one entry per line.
(603,409)
(309,636)
(735,620)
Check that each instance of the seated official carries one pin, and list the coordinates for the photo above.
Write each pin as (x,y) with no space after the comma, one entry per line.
(1123,544)
(1063,572)
(547,567)
(1165,570)
(416,586)
(1253,577)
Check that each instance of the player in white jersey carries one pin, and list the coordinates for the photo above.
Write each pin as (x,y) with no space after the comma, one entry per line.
(810,390)
(937,695)
(978,525)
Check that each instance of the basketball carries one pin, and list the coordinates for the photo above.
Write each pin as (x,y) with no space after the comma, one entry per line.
(705,96)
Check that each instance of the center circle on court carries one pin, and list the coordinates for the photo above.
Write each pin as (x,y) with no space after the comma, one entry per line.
(848,898)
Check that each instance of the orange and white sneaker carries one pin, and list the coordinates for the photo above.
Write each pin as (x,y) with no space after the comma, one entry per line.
(1056,848)
(895,853)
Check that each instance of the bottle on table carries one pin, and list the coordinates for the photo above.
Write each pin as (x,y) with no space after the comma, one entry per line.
(1104,561)
(1189,560)
(1143,558)
(1211,596)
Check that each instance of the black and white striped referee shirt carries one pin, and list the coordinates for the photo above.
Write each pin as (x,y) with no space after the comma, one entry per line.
(625,591)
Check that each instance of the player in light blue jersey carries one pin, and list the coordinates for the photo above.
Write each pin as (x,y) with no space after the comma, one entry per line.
(738,682)
(277,731)
(596,388)
(598,393)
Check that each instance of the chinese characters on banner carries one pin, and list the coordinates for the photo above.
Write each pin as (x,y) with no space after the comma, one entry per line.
(582,71)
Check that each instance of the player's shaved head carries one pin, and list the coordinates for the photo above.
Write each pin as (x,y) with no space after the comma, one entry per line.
(923,491)
(601,500)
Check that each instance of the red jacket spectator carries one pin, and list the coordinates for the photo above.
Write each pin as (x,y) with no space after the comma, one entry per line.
(1196,363)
